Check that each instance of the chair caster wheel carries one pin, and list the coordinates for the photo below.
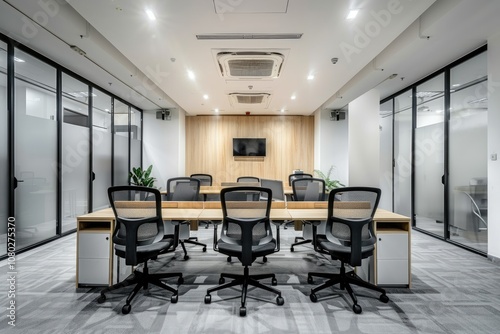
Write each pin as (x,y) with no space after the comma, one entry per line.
(228,259)
(222,280)
(180,280)
(310,279)
(357,309)
(274,281)
(208,299)
(204,249)
(243,311)
(126,309)
(101,299)
(313,297)
(280,301)
(186,257)
(383,298)
(264,259)
(291,249)
(174,299)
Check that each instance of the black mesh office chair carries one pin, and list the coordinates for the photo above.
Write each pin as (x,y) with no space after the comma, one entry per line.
(205,180)
(246,234)
(349,238)
(295,176)
(247,179)
(307,189)
(139,237)
(185,189)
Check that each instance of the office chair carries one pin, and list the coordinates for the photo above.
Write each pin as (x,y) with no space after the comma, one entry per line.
(205,180)
(246,234)
(307,189)
(294,176)
(185,189)
(349,238)
(247,179)
(139,237)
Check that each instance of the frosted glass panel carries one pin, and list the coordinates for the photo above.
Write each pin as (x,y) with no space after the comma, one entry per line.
(402,154)
(386,118)
(468,154)
(75,174)
(102,149)
(121,161)
(135,143)
(4,177)
(35,150)
(75,155)
(121,153)
(429,156)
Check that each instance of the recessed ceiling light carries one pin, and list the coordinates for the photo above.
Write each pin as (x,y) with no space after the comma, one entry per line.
(454,85)
(282,110)
(310,77)
(352,14)
(19,60)
(150,14)
(216,110)
(293,97)
(191,75)
(205,97)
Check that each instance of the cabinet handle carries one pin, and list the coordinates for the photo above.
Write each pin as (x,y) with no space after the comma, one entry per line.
(107,238)
(379,239)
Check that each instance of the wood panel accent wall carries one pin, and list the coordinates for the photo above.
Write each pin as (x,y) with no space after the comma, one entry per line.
(289,146)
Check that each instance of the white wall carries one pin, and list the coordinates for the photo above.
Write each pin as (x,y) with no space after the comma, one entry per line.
(364,140)
(494,146)
(164,146)
(330,146)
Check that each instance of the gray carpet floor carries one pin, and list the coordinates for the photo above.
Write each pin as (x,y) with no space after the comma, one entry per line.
(453,291)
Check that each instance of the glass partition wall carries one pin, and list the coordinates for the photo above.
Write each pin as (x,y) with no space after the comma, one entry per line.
(4,149)
(439,143)
(468,214)
(57,148)
(75,150)
(428,154)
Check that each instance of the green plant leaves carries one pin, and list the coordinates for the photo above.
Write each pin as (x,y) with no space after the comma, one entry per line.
(140,177)
(329,184)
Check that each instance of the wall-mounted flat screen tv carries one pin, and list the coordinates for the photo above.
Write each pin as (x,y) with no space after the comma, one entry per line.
(246,147)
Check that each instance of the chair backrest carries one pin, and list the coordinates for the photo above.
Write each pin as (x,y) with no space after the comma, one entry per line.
(183,189)
(138,218)
(294,176)
(276,187)
(247,179)
(350,218)
(246,221)
(308,189)
(205,179)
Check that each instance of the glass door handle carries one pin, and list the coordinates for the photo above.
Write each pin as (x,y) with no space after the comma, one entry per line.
(16,181)
(442,179)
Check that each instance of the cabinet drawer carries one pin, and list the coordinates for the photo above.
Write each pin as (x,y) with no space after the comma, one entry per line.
(392,272)
(93,245)
(93,271)
(392,246)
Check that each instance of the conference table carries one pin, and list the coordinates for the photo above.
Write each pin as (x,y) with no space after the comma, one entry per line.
(97,265)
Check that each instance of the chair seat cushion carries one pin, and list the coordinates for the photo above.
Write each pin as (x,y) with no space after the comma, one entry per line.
(146,251)
(257,250)
(340,251)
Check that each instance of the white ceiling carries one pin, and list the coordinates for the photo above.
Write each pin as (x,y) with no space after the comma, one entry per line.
(147,61)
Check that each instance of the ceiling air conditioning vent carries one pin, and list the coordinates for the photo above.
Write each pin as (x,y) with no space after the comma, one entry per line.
(249,99)
(250,65)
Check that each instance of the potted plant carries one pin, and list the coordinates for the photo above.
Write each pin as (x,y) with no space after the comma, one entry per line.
(140,177)
(329,183)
